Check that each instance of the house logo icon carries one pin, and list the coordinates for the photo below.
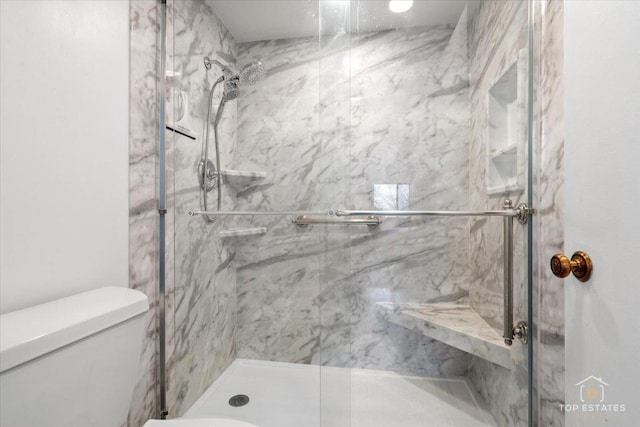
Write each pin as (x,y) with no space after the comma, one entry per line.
(592,401)
(592,389)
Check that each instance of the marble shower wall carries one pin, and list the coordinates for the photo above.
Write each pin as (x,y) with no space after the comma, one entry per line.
(307,295)
(333,118)
(495,383)
(200,312)
(498,32)
(143,214)
(203,298)
(549,227)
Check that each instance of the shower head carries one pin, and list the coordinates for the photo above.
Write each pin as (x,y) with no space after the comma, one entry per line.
(231,90)
(252,73)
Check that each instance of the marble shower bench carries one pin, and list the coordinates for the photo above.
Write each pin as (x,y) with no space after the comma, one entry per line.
(454,324)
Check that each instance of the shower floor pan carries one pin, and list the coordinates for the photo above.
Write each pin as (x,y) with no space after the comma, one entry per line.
(296,395)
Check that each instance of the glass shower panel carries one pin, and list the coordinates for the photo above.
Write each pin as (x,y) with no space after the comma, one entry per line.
(407,149)
(202,289)
(422,297)
(337,324)
(335,287)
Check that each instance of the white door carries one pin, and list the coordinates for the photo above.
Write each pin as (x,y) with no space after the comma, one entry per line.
(602,211)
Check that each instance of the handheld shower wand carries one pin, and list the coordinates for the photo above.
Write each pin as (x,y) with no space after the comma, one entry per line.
(208,174)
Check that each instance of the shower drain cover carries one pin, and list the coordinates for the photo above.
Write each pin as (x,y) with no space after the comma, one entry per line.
(239,400)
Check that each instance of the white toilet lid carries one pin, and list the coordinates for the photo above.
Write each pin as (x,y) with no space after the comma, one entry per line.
(198,422)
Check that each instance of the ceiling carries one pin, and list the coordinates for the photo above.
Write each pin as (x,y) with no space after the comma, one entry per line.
(252,20)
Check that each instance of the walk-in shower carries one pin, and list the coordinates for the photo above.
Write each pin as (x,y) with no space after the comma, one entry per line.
(209,176)
(364,263)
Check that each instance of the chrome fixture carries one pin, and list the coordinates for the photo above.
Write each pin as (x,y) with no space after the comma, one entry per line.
(371,221)
(521,213)
(507,252)
(209,175)
(580,265)
(255,213)
(520,330)
(508,213)
(208,62)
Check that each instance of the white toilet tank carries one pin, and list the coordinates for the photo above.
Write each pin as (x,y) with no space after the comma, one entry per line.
(72,362)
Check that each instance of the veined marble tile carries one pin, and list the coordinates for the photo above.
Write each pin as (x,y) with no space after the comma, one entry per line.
(497,32)
(388,108)
(328,124)
(143,217)
(549,226)
(457,325)
(204,293)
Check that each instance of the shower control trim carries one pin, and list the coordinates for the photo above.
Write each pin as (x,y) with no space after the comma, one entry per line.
(207,178)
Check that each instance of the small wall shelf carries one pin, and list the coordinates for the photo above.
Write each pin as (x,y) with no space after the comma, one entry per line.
(510,150)
(457,325)
(242,232)
(241,180)
(507,130)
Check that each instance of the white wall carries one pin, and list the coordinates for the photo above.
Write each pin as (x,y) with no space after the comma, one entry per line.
(602,179)
(64,148)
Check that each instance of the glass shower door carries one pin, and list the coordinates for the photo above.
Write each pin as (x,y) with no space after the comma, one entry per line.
(432,115)
(321,317)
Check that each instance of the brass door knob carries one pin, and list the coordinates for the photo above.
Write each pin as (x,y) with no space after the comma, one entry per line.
(580,265)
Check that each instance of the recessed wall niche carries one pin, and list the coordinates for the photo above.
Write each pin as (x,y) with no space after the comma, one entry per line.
(507,130)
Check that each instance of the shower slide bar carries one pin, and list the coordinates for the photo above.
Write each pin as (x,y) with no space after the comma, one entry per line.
(520,212)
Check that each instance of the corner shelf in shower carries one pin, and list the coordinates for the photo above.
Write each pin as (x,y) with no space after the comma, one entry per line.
(457,325)
(241,180)
(242,232)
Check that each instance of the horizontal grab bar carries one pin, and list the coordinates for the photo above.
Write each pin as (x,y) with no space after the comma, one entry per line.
(371,221)
(252,213)
(520,212)
(508,212)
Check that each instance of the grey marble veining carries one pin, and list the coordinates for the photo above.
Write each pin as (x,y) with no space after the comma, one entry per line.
(143,226)
(500,34)
(549,225)
(457,325)
(500,386)
(204,321)
(498,31)
(326,137)
(328,123)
